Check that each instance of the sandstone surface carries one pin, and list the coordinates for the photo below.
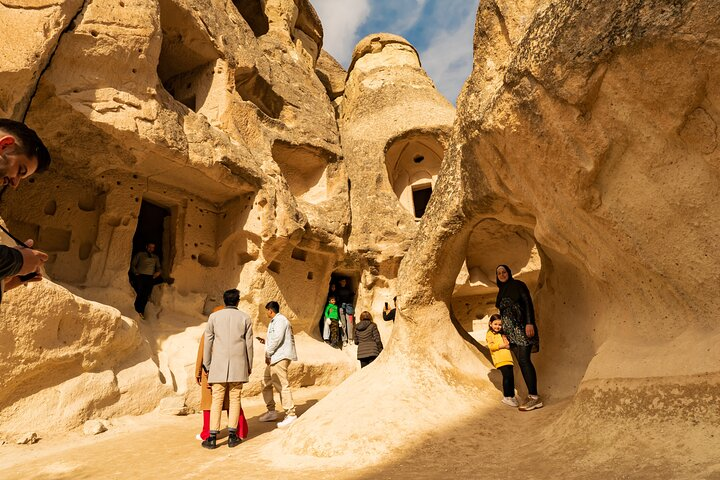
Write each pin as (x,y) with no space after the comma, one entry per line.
(583,154)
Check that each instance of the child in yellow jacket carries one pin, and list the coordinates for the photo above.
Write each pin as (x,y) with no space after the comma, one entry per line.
(502,358)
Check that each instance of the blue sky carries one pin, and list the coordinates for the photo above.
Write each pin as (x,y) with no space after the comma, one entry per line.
(441,30)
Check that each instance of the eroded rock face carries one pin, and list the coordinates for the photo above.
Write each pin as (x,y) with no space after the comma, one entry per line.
(205,130)
(588,129)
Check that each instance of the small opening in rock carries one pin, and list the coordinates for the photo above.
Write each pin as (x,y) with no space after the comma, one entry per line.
(418,159)
(255,89)
(421,197)
(274,267)
(299,254)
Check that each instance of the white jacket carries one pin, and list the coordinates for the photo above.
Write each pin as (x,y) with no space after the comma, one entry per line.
(280,342)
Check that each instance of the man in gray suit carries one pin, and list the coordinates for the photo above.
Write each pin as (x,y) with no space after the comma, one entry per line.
(227,357)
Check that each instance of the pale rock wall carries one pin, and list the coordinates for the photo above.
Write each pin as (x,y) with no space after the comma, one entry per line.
(193,107)
(388,99)
(589,129)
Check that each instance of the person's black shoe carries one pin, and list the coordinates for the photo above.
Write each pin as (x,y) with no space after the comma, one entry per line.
(234,440)
(210,442)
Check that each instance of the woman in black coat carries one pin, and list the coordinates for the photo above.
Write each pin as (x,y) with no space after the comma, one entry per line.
(518,321)
(367,338)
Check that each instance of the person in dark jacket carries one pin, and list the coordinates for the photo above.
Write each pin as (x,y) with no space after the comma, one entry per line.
(345,299)
(367,338)
(22,154)
(518,323)
(389,315)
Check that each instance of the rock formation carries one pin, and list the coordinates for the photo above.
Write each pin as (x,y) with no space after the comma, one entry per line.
(585,132)
(583,155)
(203,129)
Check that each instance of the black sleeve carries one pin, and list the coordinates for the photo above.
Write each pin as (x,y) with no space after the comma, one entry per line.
(526,301)
(389,315)
(11,261)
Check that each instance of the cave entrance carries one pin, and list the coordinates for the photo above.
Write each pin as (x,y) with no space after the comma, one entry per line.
(353,281)
(154,226)
(490,244)
(421,196)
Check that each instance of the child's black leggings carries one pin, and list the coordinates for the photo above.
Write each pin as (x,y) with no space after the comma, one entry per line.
(522,353)
(508,380)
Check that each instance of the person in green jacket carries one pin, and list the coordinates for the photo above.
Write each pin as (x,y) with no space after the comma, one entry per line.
(331,332)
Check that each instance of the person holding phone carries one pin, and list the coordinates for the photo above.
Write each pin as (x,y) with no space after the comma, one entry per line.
(388,314)
(22,154)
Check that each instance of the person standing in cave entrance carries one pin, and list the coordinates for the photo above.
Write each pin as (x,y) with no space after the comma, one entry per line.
(22,154)
(146,268)
(518,323)
(345,299)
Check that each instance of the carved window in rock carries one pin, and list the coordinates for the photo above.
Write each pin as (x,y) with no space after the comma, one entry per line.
(305,170)
(254,14)
(252,87)
(188,60)
(413,164)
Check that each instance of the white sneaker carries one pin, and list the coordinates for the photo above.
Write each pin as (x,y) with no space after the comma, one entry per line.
(510,401)
(198,437)
(288,420)
(269,416)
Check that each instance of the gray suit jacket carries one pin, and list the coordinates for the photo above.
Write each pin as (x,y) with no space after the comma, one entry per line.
(228,353)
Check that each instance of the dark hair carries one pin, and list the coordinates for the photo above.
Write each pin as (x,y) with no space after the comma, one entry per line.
(365,316)
(28,143)
(273,305)
(231,297)
(493,317)
(331,297)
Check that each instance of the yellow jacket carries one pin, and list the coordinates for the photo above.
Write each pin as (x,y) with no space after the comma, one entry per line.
(500,356)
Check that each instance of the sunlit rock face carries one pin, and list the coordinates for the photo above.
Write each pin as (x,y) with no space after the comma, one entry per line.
(203,127)
(584,145)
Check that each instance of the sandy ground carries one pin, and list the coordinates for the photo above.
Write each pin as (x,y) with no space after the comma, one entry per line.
(499,442)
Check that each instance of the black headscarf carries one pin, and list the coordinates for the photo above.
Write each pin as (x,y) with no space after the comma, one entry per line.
(516,291)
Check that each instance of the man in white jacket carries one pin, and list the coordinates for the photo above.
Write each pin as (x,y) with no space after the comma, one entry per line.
(279,352)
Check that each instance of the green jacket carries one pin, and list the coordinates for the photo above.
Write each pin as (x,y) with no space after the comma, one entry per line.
(331,312)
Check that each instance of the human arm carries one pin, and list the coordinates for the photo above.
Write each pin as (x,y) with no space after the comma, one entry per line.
(134,263)
(249,343)
(389,315)
(11,261)
(275,336)
(528,309)
(493,342)
(20,260)
(209,338)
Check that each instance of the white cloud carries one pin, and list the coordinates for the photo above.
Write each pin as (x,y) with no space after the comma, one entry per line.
(413,10)
(341,20)
(448,57)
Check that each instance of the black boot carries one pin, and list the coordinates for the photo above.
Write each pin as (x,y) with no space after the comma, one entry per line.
(234,440)
(210,442)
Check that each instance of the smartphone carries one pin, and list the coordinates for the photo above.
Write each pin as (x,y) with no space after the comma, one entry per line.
(28,276)
(386,305)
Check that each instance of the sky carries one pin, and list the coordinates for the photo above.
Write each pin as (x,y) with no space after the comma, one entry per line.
(441,30)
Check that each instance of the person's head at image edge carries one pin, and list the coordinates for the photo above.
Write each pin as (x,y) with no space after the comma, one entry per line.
(22,153)
(231,297)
